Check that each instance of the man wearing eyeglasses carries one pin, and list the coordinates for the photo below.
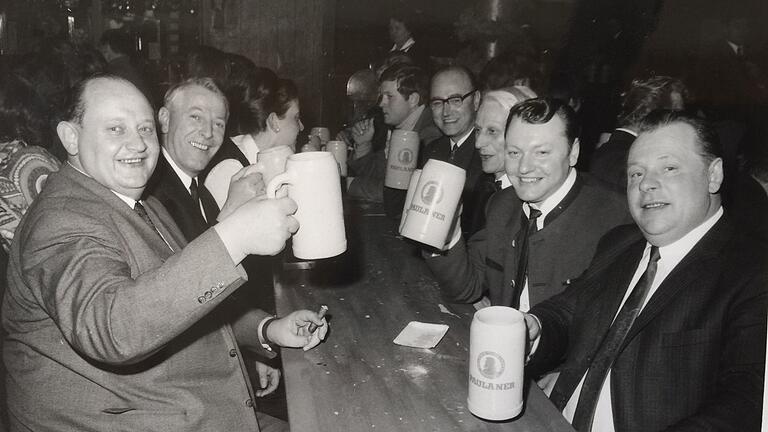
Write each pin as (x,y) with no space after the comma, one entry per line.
(454,100)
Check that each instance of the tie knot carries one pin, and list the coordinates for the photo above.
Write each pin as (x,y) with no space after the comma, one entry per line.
(193,187)
(533,214)
(655,255)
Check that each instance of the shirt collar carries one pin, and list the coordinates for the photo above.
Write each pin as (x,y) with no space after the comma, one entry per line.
(629,131)
(406,46)
(550,203)
(674,252)
(463,138)
(184,177)
(247,145)
(409,123)
(126,199)
(505,183)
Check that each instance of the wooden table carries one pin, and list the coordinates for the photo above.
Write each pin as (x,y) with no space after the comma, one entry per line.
(359,380)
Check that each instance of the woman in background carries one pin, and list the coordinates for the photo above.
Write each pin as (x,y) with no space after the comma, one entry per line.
(266,117)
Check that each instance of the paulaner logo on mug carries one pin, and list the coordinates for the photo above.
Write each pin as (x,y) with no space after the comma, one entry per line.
(406,156)
(490,364)
(431,193)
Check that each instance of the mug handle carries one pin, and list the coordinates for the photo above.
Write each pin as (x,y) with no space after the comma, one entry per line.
(276,182)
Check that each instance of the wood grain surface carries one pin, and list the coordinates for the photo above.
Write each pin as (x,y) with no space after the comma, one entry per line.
(358,379)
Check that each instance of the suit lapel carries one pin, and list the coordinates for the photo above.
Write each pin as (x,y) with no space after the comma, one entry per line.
(687,273)
(616,287)
(122,213)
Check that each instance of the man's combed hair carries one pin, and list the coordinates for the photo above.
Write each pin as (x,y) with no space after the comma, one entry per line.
(542,110)
(205,82)
(409,79)
(706,136)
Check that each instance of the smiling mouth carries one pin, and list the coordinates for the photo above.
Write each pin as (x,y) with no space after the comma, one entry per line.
(199,145)
(529,180)
(654,205)
(131,161)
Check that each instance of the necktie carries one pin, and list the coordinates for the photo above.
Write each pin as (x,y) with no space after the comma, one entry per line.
(606,353)
(497,185)
(200,194)
(454,147)
(527,228)
(142,212)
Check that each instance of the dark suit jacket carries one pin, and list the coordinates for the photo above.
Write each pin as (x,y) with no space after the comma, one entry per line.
(468,158)
(557,254)
(128,327)
(167,187)
(609,162)
(694,358)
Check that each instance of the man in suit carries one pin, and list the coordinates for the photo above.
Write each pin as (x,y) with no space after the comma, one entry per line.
(518,260)
(191,122)
(666,330)
(454,100)
(403,92)
(111,318)
(608,162)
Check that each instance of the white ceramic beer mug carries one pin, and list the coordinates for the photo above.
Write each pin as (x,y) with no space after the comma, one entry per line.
(415,176)
(321,132)
(497,339)
(271,162)
(339,151)
(313,182)
(435,200)
(402,158)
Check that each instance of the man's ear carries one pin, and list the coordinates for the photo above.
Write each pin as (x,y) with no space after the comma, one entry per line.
(573,156)
(476,100)
(164,116)
(715,175)
(69,135)
(273,122)
(414,100)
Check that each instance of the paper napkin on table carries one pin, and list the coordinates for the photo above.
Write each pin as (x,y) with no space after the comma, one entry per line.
(421,335)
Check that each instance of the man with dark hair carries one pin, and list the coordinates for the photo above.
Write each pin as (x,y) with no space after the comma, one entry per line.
(112,320)
(401,26)
(403,93)
(666,329)
(541,232)
(658,92)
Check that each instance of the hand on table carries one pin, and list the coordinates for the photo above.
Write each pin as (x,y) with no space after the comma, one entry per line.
(269,378)
(292,330)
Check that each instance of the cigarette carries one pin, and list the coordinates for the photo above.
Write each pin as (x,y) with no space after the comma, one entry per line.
(321,313)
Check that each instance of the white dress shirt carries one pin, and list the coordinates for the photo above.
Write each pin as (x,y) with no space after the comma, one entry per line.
(185,178)
(671,255)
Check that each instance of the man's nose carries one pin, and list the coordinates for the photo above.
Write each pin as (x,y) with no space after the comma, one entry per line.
(525,164)
(136,143)
(206,129)
(649,182)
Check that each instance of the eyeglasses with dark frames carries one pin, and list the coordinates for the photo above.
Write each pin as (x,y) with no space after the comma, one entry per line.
(454,102)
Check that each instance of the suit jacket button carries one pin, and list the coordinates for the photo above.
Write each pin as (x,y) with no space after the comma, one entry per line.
(249,403)
(233,352)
